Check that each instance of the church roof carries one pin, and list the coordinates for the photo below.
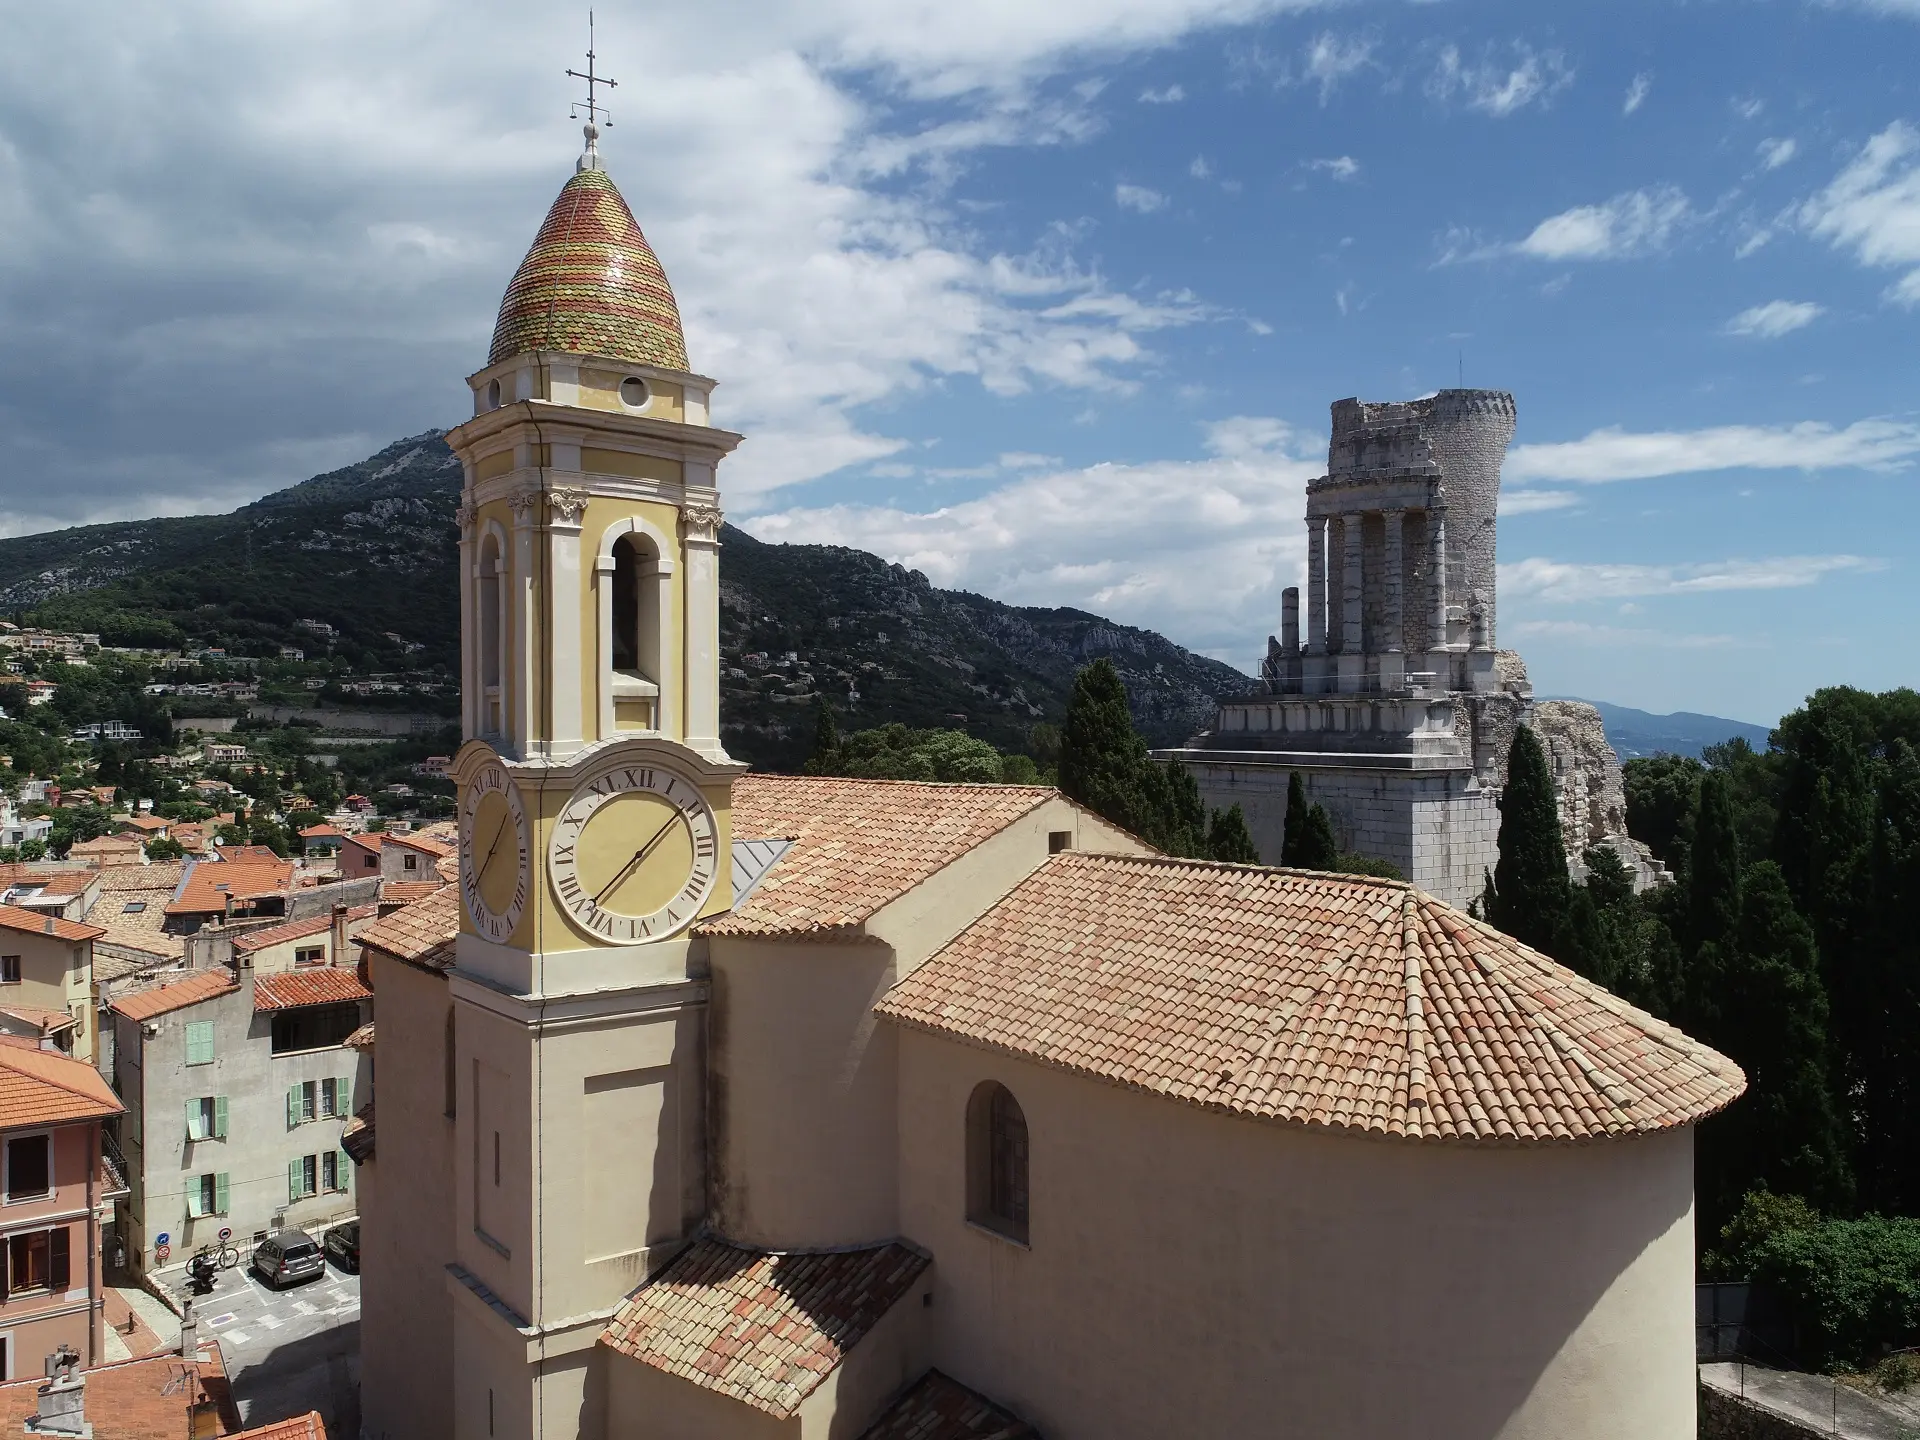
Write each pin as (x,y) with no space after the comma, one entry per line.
(422,934)
(764,1328)
(857,845)
(936,1407)
(591,285)
(1325,1000)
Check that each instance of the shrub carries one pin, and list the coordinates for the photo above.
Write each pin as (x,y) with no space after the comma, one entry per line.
(1854,1286)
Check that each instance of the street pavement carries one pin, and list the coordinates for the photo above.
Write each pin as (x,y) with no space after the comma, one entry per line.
(287,1351)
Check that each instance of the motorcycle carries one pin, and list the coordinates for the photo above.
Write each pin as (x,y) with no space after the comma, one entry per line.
(202,1271)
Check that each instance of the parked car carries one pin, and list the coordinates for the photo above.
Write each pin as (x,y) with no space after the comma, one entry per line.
(342,1245)
(286,1256)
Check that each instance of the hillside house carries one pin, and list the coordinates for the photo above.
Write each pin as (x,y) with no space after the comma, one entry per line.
(55,1185)
(360,854)
(321,839)
(227,889)
(237,1083)
(46,980)
(106,851)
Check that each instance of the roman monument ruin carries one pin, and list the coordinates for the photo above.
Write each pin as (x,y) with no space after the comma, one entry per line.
(1396,707)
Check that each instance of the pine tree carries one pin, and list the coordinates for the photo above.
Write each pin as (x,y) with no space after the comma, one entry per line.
(1531,892)
(1229,839)
(1295,826)
(829,752)
(1103,761)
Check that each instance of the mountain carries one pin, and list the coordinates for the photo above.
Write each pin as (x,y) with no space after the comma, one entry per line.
(371,550)
(1636,732)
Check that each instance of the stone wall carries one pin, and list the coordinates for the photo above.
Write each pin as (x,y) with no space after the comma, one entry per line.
(1586,772)
(1728,1417)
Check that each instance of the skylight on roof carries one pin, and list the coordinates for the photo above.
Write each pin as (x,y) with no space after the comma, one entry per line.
(133,907)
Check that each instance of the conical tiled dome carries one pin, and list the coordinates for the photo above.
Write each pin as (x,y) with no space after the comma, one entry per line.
(591,285)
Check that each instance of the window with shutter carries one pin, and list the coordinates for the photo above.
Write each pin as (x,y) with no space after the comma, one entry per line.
(345,1169)
(29,1167)
(195,1121)
(294,1191)
(220,1118)
(199,1042)
(220,1193)
(60,1263)
(329,1171)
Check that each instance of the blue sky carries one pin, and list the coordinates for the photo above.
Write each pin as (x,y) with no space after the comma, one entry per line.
(1050,302)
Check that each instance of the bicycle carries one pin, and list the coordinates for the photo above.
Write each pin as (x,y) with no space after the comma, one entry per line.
(228,1256)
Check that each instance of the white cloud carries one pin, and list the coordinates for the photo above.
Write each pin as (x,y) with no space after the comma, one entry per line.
(1775,153)
(1637,93)
(308,257)
(1775,318)
(1638,222)
(1171,95)
(1530,502)
(1558,582)
(1125,540)
(1873,207)
(1582,632)
(1139,198)
(1330,59)
(1614,454)
(1340,167)
(1495,87)
(1747,107)
(1201,168)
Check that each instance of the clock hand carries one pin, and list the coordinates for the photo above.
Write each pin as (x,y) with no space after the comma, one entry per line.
(638,856)
(498,832)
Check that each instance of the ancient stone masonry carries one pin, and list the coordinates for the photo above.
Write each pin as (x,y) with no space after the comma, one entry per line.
(1395,706)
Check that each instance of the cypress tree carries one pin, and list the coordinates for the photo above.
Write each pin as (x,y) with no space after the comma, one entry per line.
(1103,761)
(1295,829)
(1531,892)
(1183,827)
(1229,839)
(1888,1078)
(829,751)
(1713,882)
(1318,850)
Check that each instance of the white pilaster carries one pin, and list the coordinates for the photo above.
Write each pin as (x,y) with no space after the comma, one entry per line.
(700,590)
(567,670)
(520,713)
(470,699)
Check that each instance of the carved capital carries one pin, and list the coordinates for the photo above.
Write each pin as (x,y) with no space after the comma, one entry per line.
(525,503)
(464,516)
(567,503)
(702,519)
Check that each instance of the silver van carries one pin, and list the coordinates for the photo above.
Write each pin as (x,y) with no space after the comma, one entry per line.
(286,1256)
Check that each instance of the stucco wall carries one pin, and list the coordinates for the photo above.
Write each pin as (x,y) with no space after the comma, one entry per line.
(1194,1274)
(35,1323)
(55,974)
(406,1215)
(803,1082)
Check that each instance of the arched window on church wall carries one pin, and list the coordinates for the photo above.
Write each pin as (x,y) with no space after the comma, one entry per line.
(634,599)
(997,1191)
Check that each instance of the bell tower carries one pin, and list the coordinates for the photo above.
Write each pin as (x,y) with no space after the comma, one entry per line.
(594,809)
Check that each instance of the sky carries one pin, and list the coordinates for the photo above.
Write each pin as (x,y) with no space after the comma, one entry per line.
(1048,301)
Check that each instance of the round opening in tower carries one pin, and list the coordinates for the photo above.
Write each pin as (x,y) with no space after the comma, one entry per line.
(634,392)
(493,395)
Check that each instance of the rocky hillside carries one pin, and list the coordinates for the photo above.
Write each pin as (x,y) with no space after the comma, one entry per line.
(370,549)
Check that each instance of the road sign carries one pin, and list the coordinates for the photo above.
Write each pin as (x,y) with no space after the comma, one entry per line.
(163,1238)
(226,1233)
(161,1252)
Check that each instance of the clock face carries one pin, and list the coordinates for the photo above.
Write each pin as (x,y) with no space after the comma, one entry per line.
(634,854)
(495,872)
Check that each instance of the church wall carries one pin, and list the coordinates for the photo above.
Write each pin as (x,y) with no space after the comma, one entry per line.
(406,1215)
(1191,1273)
(648,1404)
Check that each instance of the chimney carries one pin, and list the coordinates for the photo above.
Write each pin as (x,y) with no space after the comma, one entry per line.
(337,955)
(63,1399)
(189,1332)
(49,922)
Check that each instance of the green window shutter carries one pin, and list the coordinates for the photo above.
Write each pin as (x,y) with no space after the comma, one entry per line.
(193,1120)
(343,1095)
(196,1197)
(346,1170)
(199,1042)
(220,1117)
(293,1106)
(220,1189)
(293,1181)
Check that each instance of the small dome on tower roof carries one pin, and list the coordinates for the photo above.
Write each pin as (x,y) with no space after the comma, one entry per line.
(591,285)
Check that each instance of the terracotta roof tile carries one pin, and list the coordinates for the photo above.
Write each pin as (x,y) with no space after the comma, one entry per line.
(763,1328)
(149,1399)
(321,985)
(357,1136)
(301,1427)
(422,933)
(163,999)
(148,824)
(322,832)
(935,1407)
(426,844)
(44,1087)
(12,917)
(47,1022)
(1308,998)
(297,929)
(591,285)
(405,892)
(207,884)
(857,844)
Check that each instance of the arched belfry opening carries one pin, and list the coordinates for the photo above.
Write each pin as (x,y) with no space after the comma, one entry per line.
(490,602)
(635,604)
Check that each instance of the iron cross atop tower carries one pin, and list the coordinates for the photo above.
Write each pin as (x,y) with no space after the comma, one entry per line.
(590,160)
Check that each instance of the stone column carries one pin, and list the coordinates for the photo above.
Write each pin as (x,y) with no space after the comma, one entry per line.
(1437,567)
(1290,620)
(1395,638)
(464,515)
(1352,640)
(1316,584)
